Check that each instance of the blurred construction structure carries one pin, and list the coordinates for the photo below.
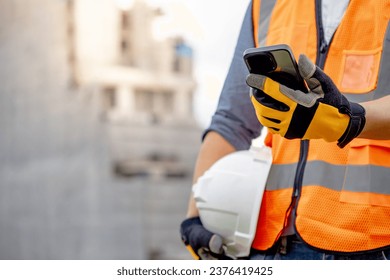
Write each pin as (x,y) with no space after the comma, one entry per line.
(146,85)
(98,138)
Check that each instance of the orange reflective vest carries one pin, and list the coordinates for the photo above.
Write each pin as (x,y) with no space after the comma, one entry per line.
(341,197)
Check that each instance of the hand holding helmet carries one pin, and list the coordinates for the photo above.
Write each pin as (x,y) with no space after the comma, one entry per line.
(202,243)
(228,197)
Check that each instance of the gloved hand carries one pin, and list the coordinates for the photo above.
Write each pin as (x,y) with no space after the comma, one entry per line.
(202,243)
(323,112)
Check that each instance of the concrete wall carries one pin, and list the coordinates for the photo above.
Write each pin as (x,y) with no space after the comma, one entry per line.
(57,198)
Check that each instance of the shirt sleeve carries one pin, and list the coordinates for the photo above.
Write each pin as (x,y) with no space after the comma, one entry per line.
(235,118)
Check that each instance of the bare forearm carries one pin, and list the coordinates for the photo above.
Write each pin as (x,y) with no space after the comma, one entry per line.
(377,119)
(213,148)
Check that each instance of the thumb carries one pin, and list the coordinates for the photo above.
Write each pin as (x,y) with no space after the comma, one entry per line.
(310,72)
(306,67)
(214,250)
(216,244)
(316,79)
(256,81)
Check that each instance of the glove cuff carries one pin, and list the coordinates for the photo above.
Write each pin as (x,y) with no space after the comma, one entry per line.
(356,124)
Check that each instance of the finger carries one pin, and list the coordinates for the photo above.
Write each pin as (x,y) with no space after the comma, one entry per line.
(204,254)
(270,113)
(216,244)
(315,78)
(271,125)
(269,87)
(281,93)
(271,118)
(200,237)
(256,81)
(268,101)
(306,67)
(213,249)
(194,234)
(309,72)
(321,83)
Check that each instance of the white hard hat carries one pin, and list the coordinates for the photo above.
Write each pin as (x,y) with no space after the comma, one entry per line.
(228,197)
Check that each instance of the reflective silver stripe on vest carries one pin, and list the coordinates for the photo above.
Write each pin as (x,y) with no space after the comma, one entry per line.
(383,84)
(266,7)
(357,178)
(281,176)
(367,178)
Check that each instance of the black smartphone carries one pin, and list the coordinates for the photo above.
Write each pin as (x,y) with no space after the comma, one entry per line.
(276,62)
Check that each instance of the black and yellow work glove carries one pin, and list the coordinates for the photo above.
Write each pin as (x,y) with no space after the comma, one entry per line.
(201,243)
(322,113)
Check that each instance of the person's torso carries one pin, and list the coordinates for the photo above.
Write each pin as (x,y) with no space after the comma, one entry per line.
(342,195)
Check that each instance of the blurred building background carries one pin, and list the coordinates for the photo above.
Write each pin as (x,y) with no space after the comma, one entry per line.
(97,133)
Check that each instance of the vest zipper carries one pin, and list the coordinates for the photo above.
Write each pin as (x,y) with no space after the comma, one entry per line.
(322,51)
(322,47)
(303,152)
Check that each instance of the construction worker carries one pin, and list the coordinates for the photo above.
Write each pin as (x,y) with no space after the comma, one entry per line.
(327,195)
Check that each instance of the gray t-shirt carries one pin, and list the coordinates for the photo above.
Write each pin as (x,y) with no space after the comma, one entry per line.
(235,117)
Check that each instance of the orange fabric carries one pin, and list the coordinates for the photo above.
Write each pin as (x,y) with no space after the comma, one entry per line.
(333,228)
(300,32)
(271,218)
(329,219)
(365,198)
(360,71)
(284,151)
(369,43)
(365,151)
(268,140)
(328,152)
(255,19)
